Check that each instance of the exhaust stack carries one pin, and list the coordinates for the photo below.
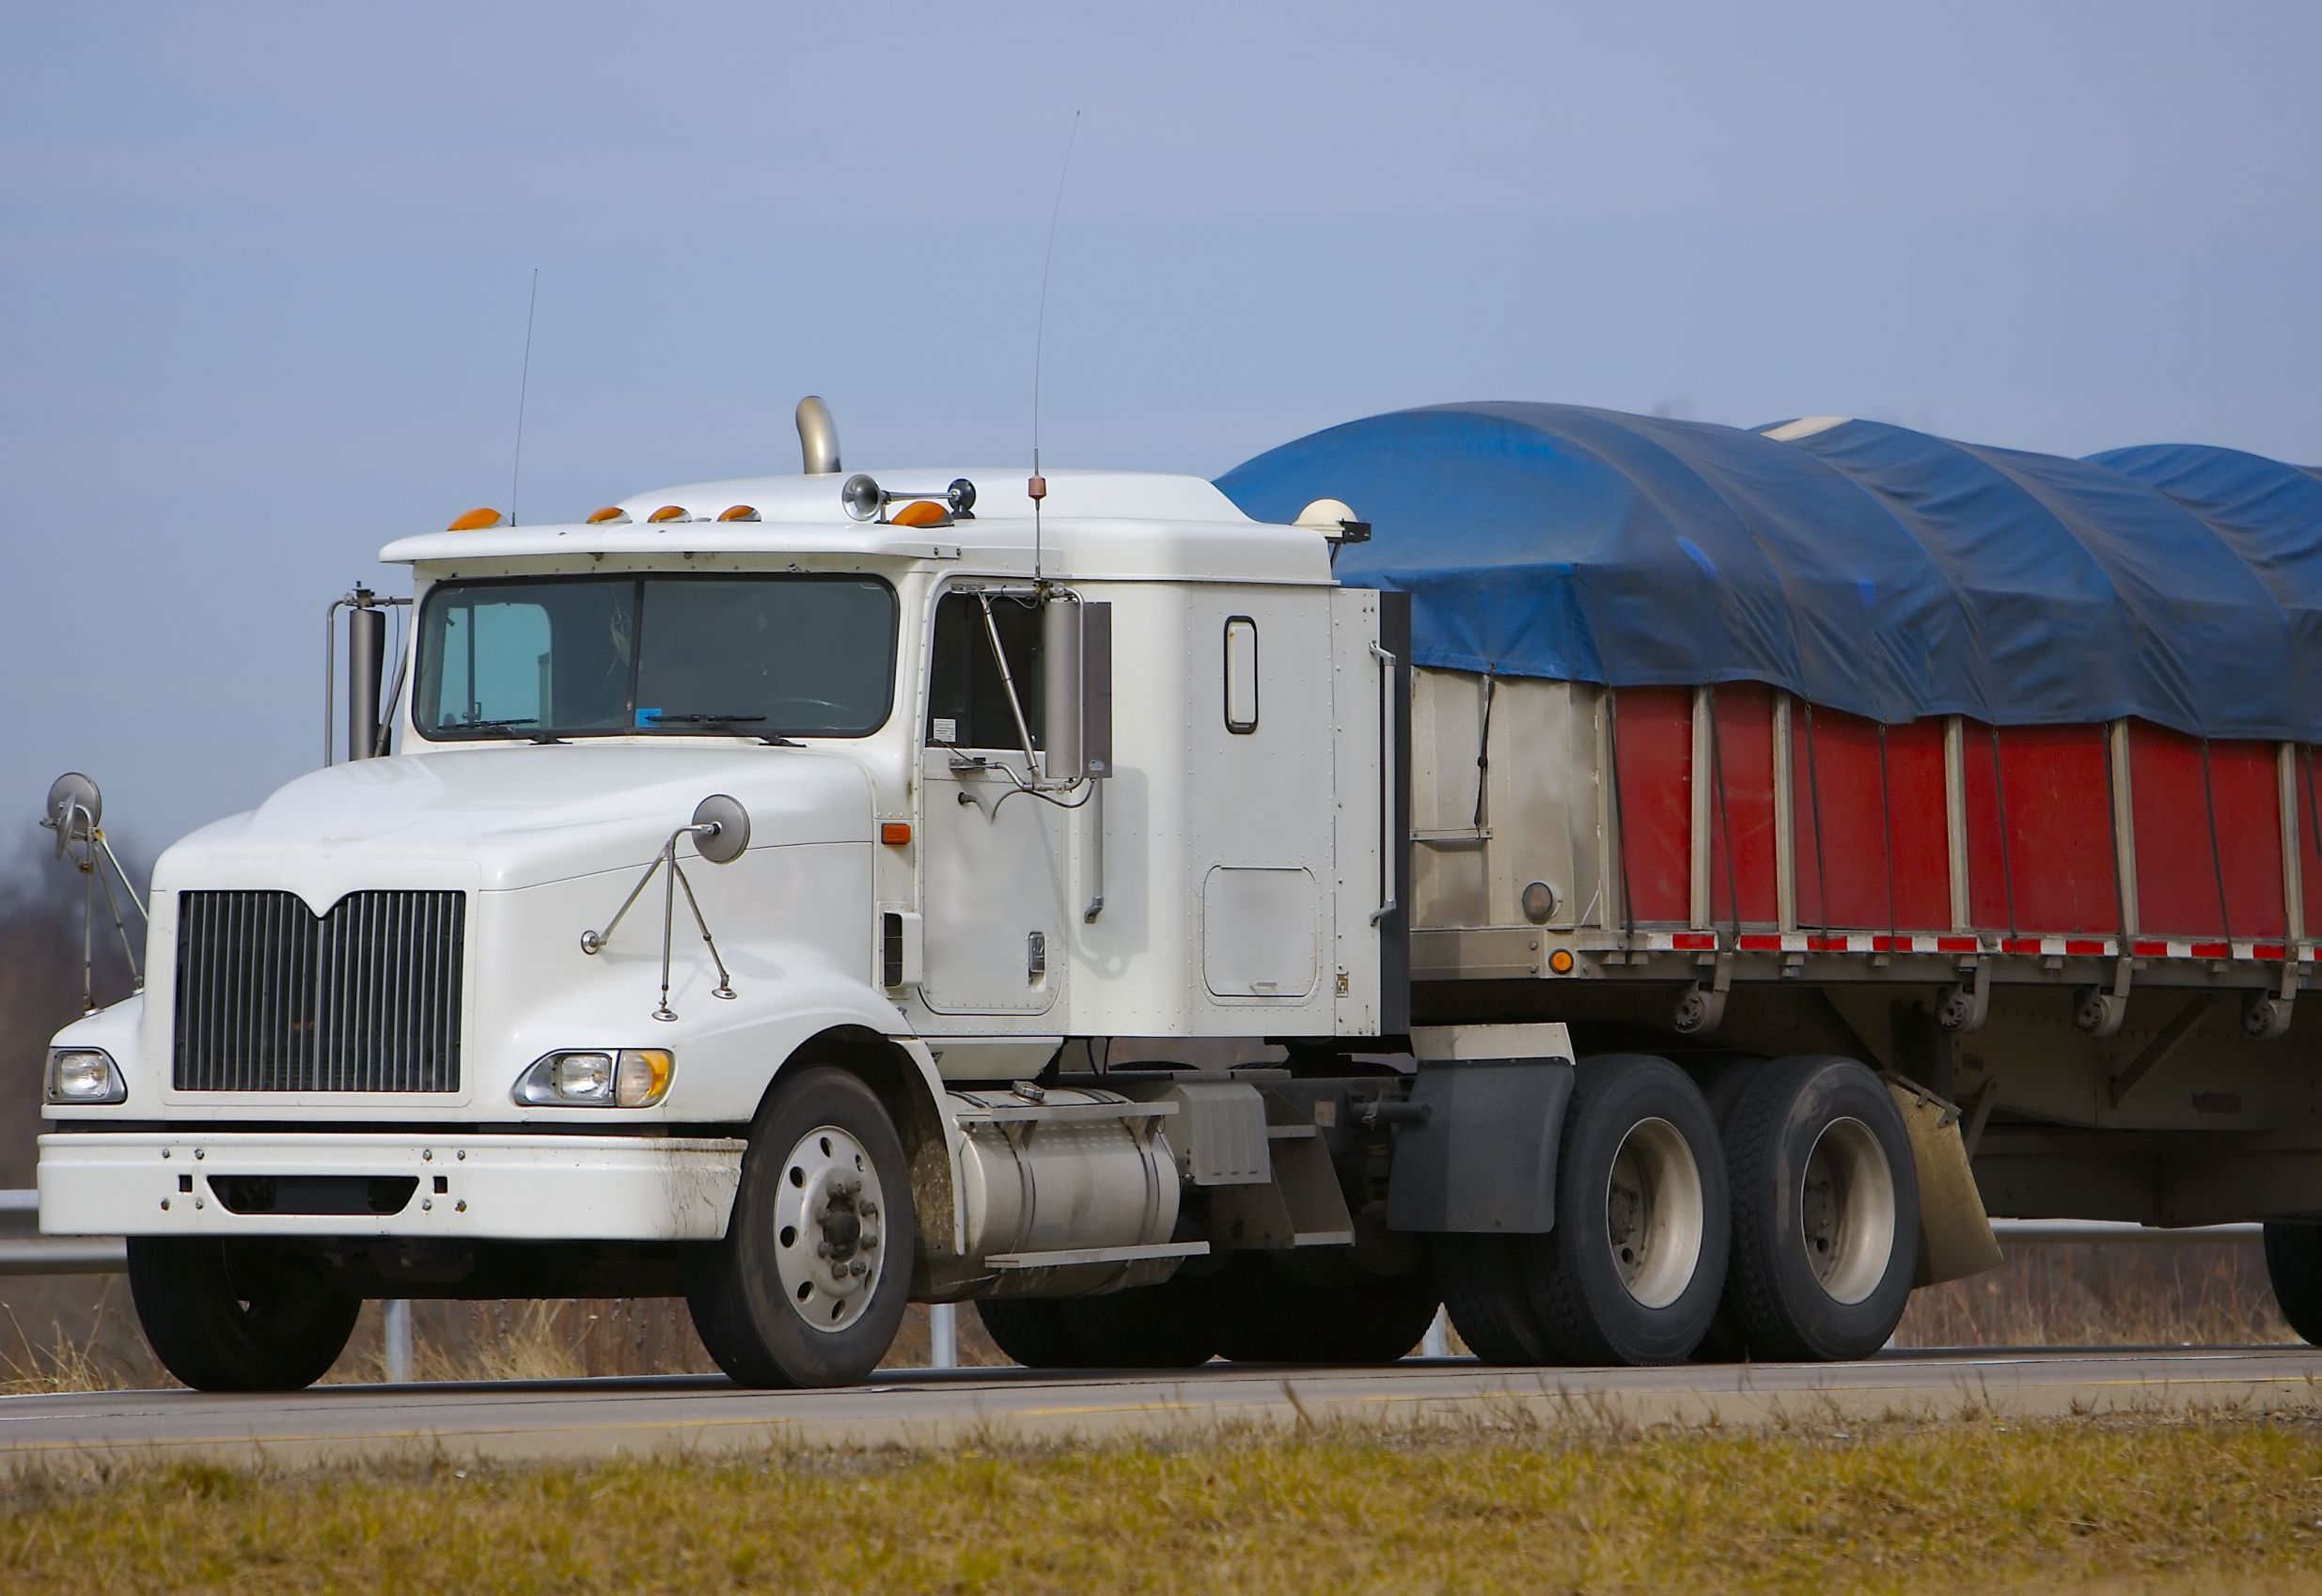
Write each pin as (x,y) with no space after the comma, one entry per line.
(818,438)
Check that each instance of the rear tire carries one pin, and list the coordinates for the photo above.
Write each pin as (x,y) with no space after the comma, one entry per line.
(1825,1213)
(1170,1325)
(1484,1294)
(809,1283)
(1281,1312)
(237,1316)
(1632,1272)
(2294,1264)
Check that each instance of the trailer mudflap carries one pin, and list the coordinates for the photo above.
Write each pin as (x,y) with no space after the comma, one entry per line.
(1479,1155)
(1955,1239)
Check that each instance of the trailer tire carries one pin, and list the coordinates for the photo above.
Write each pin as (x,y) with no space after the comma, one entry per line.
(1633,1270)
(2294,1265)
(1032,1332)
(1722,1083)
(227,1317)
(1825,1213)
(809,1286)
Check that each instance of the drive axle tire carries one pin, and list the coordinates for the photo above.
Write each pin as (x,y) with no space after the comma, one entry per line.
(1632,1271)
(237,1316)
(809,1283)
(1825,1213)
(2294,1264)
(1273,1310)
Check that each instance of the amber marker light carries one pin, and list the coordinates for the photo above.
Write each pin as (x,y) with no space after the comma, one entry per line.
(610,513)
(669,512)
(738,512)
(1561,961)
(921,512)
(475,521)
(895,834)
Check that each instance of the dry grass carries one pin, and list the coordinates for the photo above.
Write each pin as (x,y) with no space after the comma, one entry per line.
(2205,1506)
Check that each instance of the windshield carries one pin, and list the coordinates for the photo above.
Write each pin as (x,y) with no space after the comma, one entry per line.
(604,656)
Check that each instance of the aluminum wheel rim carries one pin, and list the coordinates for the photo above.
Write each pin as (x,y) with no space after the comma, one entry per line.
(1846,1218)
(829,1228)
(1652,1212)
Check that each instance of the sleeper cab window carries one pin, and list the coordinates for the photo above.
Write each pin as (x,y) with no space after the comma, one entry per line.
(967,696)
(1241,675)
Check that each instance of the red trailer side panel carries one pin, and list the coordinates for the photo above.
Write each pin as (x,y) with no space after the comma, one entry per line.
(2310,837)
(2052,870)
(1852,826)
(1653,729)
(2176,887)
(2248,807)
(1742,859)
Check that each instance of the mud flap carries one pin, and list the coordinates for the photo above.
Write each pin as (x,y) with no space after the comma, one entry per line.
(1954,1232)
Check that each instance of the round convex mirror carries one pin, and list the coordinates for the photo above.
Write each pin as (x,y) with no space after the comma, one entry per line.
(724,845)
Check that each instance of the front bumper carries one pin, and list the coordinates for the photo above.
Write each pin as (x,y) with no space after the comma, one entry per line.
(560,1188)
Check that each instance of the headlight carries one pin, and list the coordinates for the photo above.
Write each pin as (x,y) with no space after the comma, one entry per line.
(633,1077)
(85,1074)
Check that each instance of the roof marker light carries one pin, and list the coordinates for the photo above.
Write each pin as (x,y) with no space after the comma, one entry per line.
(738,512)
(610,515)
(922,512)
(475,521)
(669,513)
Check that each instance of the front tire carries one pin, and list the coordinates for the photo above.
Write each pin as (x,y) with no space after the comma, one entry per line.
(1825,1213)
(2294,1264)
(809,1286)
(228,1317)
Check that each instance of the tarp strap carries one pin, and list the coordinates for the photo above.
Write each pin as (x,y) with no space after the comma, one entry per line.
(1886,826)
(1484,748)
(1814,800)
(1725,816)
(2112,812)
(2217,854)
(1619,817)
(2007,844)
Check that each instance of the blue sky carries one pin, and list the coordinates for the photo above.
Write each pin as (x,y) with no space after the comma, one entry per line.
(264,268)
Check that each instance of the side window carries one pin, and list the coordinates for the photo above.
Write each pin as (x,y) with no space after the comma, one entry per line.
(1241,676)
(966,697)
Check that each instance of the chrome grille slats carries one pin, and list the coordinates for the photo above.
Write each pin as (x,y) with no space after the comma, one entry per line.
(365,998)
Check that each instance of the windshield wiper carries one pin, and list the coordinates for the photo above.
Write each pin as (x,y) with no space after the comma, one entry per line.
(738,725)
(511,724)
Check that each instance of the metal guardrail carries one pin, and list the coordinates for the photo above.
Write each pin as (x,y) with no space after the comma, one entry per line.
(24,1251)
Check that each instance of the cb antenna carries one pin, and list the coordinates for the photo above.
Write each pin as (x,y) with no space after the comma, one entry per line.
(1038,486)
(524,384)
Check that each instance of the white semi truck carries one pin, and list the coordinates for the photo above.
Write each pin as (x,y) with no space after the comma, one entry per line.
(744,894)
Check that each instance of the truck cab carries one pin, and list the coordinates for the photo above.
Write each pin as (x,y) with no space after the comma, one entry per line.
(851,812)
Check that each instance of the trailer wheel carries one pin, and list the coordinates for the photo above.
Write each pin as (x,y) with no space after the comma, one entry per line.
(2294,1264)
(1032,1332)
(223,1317)
(1632,1272)
(809,1283)
(1722,1083)
(1825,1211)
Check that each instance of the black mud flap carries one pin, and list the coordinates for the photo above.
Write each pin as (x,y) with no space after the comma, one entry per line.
(1478,1153)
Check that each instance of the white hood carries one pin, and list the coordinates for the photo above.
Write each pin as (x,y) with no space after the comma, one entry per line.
(498,819)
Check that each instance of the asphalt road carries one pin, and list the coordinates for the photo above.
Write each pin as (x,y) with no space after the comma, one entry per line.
(607,1418)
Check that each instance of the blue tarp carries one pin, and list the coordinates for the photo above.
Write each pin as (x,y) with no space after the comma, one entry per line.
(1863,566)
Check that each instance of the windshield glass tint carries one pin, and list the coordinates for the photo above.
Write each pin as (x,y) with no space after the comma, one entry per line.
(797,656)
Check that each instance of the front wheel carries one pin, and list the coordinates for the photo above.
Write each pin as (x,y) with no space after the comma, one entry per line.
(237,1316)
(809,1283)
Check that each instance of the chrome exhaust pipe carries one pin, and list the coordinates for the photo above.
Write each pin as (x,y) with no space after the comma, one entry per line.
(817,437)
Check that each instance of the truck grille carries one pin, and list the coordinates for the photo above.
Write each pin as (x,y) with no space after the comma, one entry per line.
(365,998)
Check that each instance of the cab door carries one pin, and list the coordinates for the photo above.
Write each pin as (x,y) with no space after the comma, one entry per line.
(992,871)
